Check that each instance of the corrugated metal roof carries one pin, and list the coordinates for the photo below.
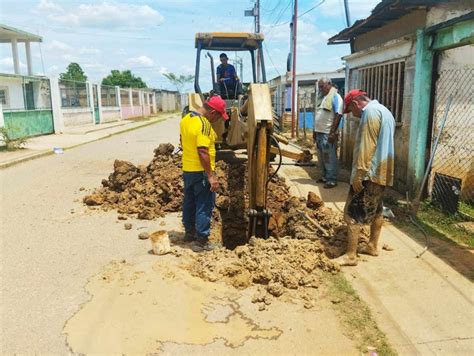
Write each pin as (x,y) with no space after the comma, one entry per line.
(384,12)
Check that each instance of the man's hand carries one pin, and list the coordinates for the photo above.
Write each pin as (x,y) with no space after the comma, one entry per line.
(213,182)
(221,80)
(357,181)
(332,137)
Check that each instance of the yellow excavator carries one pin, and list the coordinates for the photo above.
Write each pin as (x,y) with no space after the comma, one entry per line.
(251,118)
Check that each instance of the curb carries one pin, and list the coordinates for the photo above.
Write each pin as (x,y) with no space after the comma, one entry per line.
(45,153)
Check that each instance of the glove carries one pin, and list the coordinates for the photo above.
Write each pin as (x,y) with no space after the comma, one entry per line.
(358,179)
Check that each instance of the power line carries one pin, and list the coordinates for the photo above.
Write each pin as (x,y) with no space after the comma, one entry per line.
(304,13)
(271,60)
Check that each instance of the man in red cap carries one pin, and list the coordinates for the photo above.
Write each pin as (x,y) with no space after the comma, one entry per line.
(199,161)
(372,171)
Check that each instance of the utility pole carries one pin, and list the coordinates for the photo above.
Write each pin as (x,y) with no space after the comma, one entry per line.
(255,12)
(348,16)
(293,70)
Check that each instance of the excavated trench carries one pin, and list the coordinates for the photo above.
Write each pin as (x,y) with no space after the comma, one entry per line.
(304,233)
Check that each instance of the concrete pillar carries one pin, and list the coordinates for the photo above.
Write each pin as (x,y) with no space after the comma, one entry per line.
(28,58)
(119,100)
(90,97)
(420,112)
(99,103)
(16,60)
(130,99)
(141,102)
(58,119)
(2,123)
(153,100)
(2,120)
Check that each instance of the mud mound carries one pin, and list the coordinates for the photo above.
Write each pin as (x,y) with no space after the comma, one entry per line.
(153,190)
(147,191)
(280,266)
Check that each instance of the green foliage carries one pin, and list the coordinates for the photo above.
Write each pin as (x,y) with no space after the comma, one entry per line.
(179,80)
(7,134)
(124,79)
(73,72)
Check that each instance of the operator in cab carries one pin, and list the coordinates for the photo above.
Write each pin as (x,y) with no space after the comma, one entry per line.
(227,78)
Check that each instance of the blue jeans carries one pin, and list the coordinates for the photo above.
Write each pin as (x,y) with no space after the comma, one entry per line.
(327,157)
(198,204)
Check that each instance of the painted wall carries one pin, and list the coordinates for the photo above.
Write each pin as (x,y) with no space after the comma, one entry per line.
(406,25)
(15,92)
(77,117)
(110,114)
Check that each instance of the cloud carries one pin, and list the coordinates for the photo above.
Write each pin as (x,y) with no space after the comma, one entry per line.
(58,46)
(141,61)
(48,6)
(358,8)
(7,64)
(106,14)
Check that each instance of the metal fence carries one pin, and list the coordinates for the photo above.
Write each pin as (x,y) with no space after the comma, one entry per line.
(452,174)
(108,95)
(74,94)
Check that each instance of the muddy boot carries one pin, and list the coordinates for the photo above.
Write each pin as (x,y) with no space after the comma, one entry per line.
(189,236)
(375,229)
(350,257)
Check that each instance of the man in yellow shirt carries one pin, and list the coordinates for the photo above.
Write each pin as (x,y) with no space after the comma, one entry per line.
(199,161)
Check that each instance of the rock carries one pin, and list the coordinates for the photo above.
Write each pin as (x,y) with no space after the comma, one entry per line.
(94,199)
(261,307)
(82,189)
(127,226)
(242,279)
(143,235)
(122,217)
(314,201)
(275,289)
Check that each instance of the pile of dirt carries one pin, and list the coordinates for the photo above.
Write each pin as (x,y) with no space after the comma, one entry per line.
(147,191)
(153,190)
(280,266)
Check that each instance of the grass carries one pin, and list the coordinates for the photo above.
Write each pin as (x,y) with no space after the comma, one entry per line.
(447,225)
(356,317)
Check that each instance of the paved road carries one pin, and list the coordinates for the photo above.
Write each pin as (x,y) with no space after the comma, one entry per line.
(54,252)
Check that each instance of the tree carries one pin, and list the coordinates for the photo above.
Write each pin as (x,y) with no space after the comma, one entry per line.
(124,79)
(73,72)
(179,80)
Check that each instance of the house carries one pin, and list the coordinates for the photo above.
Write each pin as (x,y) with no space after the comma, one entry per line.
(413,56)
(306,83)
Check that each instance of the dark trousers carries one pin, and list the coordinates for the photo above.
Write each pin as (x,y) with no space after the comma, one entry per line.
(198,204)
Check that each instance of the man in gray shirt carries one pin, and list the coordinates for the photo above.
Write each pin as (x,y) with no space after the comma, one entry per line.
(326,123)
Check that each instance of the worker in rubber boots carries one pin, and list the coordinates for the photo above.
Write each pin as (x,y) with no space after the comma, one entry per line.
(372,171)
(199,161)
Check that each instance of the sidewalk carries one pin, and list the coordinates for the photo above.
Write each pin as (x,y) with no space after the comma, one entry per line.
(74,136)
(422,304)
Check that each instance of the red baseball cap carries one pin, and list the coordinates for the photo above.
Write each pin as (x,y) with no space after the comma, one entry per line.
(218,104)
(351,95)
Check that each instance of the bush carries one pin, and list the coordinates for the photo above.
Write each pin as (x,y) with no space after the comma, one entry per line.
(11,144)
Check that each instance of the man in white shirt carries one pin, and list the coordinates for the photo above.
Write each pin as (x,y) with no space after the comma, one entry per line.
(327,119)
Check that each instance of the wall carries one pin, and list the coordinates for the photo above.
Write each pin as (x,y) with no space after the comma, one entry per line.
(110,113)
(15,92)
(76,117)
(405,25)
(401,48)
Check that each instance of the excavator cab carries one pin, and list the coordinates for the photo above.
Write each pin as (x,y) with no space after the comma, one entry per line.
(251,119)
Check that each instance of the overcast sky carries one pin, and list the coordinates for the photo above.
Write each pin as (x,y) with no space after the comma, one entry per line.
(155,36)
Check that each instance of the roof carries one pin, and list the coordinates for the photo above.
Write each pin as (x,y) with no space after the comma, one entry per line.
(8,33)
(384,12)
(229,41)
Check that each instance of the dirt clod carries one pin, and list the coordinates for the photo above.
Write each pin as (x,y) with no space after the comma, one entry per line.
(143,235)
(127,226)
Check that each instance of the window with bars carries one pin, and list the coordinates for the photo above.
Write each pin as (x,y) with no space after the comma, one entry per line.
(385,82)
(4,96)
(73,94)
(135,98)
